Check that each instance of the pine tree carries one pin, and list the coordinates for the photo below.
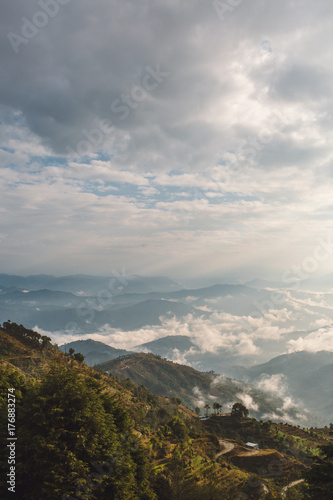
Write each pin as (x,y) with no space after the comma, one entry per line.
(320,476)
(66,433)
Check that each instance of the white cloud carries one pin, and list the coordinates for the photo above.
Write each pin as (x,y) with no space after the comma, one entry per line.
(220,331)
(179,357)
(321,322)
(226,164)
(320,340)
(201,399)
(248,401)
(276,384)
(224,380)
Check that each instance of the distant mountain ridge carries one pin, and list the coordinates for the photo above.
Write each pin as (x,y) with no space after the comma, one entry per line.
(89,284)
(163,377)
(95,352)
(67,412)
(166,345)
(221,325)
(308,375)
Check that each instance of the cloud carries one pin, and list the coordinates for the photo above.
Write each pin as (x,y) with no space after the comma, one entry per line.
(181,358)
(248,401)
(224,380)
(320,340)
(219,332)
(321,322)
(275,384)
(200,398)
(225,163)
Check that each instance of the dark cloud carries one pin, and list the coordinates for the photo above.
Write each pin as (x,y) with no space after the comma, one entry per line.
(68,74)
(242,101)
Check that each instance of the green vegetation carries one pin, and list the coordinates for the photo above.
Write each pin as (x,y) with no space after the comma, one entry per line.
(320,477)
(165,378)
(68,416)
(85,434)
(239,411)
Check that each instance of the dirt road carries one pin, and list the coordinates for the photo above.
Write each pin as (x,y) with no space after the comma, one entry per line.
(290,485)
(228,446)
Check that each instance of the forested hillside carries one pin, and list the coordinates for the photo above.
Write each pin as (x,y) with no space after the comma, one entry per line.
(84,434)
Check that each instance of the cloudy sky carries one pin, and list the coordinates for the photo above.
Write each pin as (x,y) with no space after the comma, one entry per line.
(174,137)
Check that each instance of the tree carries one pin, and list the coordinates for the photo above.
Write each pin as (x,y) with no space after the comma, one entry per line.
(178,427)
(320,476)
(28,337)
(217,407)
(197,411)
(177,476)
(177,401)
(70,441)
(79,357)
(207,408)
(239,411)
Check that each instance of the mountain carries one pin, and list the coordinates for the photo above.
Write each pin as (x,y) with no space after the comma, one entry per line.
(293,365)
(40,297)
(261,284)
(196,297)
(159,375)
(119,440)
(35,282)
(89,318)
(165,346)
(321,283)
(246,325)
(148,312)
(308,377)
(86,284)
(181,349)
(94,352)
(195,388)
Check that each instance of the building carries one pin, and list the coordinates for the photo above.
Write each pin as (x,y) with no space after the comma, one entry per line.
(254,446)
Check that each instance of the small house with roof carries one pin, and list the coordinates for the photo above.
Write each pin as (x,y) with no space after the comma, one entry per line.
(253,446)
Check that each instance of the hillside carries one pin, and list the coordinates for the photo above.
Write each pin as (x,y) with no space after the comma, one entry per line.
(155,446)
(93,351)
(197,389)
(166,346)
(159,308)
(308,377)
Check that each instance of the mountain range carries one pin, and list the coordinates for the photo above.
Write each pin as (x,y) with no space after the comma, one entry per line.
(73,419)
(295,387)
(235,330)
(307,376)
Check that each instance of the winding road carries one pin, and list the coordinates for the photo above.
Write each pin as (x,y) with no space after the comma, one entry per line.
(228,446)
(290,485)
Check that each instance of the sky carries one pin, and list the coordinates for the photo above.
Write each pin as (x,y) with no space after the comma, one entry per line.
(181,138)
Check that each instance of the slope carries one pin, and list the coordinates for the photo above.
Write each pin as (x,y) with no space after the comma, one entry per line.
(195,388)
(159,438)
(93,351)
